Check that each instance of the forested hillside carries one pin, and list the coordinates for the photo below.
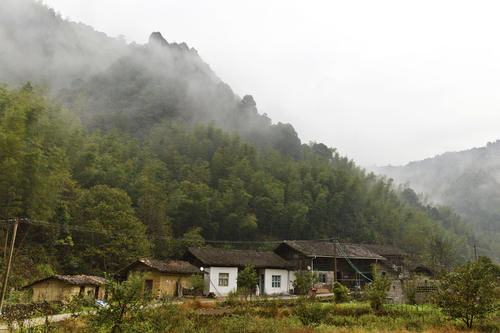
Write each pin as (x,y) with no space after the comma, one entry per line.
(467,180)
(148,151)
(109,197)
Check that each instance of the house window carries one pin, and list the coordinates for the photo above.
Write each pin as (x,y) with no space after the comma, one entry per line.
(322,277)
(223,279)
(276,281)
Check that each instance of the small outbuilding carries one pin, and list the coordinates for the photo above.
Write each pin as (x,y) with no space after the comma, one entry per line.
(65,287)
(163,278)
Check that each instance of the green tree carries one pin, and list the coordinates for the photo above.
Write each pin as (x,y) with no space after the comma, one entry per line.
(304,281)
(111,236)
(468,292)
(376,291)
(126,304)
(247,281)
(340,292)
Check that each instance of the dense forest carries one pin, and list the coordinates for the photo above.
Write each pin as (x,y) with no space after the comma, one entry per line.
(134,150)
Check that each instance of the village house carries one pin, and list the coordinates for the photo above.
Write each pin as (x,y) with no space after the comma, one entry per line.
(162,278)
(349,264)
(222,266)
(65,287)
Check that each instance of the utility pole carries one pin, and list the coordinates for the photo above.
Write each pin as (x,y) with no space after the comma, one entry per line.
(9,261)
(475,252)
(334,261)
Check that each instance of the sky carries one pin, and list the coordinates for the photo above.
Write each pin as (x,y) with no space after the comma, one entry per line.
(383,82)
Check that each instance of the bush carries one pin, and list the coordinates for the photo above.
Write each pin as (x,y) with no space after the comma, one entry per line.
(269,308)
(197,283)
(304,281)
(336,320)
(411,291)
(340,292)
(247,281)
(310,313)
(232,299)
(376,291)
(125,306)
(169,318)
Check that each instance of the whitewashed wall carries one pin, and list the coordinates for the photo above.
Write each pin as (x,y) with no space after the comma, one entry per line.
(213,283)
(268,276)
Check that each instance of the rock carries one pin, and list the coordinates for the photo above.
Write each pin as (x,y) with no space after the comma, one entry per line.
(157,38)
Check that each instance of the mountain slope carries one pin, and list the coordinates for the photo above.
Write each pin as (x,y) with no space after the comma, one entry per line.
(468,181)
(39,46)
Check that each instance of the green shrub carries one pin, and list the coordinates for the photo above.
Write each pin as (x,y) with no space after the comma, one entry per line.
(340,292)
(232,298)
(310,313)
(247,281)
(197,283)
(304,281)
(410,288)
(376,291)
(125,309)
(336,320)
(169,318)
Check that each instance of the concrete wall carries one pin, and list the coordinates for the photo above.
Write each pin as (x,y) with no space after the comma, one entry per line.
(56,290)
(284,287)
(396,292)
(164,284)
(214,280)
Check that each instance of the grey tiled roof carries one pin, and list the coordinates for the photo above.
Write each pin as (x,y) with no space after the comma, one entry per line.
(327,249)
(78,280)
(238,258)
(385,250)
(170,266)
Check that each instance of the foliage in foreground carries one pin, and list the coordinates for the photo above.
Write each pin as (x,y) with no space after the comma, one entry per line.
(293,316)
(376,291)
(469,292)
(247,281)
(125,306)
(340,292)
(304,281)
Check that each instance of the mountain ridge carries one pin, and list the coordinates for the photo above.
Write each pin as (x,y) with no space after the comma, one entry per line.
(467,180)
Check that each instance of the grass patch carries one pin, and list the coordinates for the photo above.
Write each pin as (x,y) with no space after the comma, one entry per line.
(300,316)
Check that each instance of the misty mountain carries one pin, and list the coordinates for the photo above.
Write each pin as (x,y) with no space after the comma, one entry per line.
(39,46)
(127,86)
(468,181)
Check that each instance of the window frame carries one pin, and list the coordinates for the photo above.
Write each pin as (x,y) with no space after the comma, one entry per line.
(275,281)
(223,279)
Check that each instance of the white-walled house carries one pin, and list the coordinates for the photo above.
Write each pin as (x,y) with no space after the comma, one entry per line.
(222,266)
(221,280)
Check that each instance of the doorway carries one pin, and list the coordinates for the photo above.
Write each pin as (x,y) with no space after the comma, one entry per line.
(148,288)
(261,284)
